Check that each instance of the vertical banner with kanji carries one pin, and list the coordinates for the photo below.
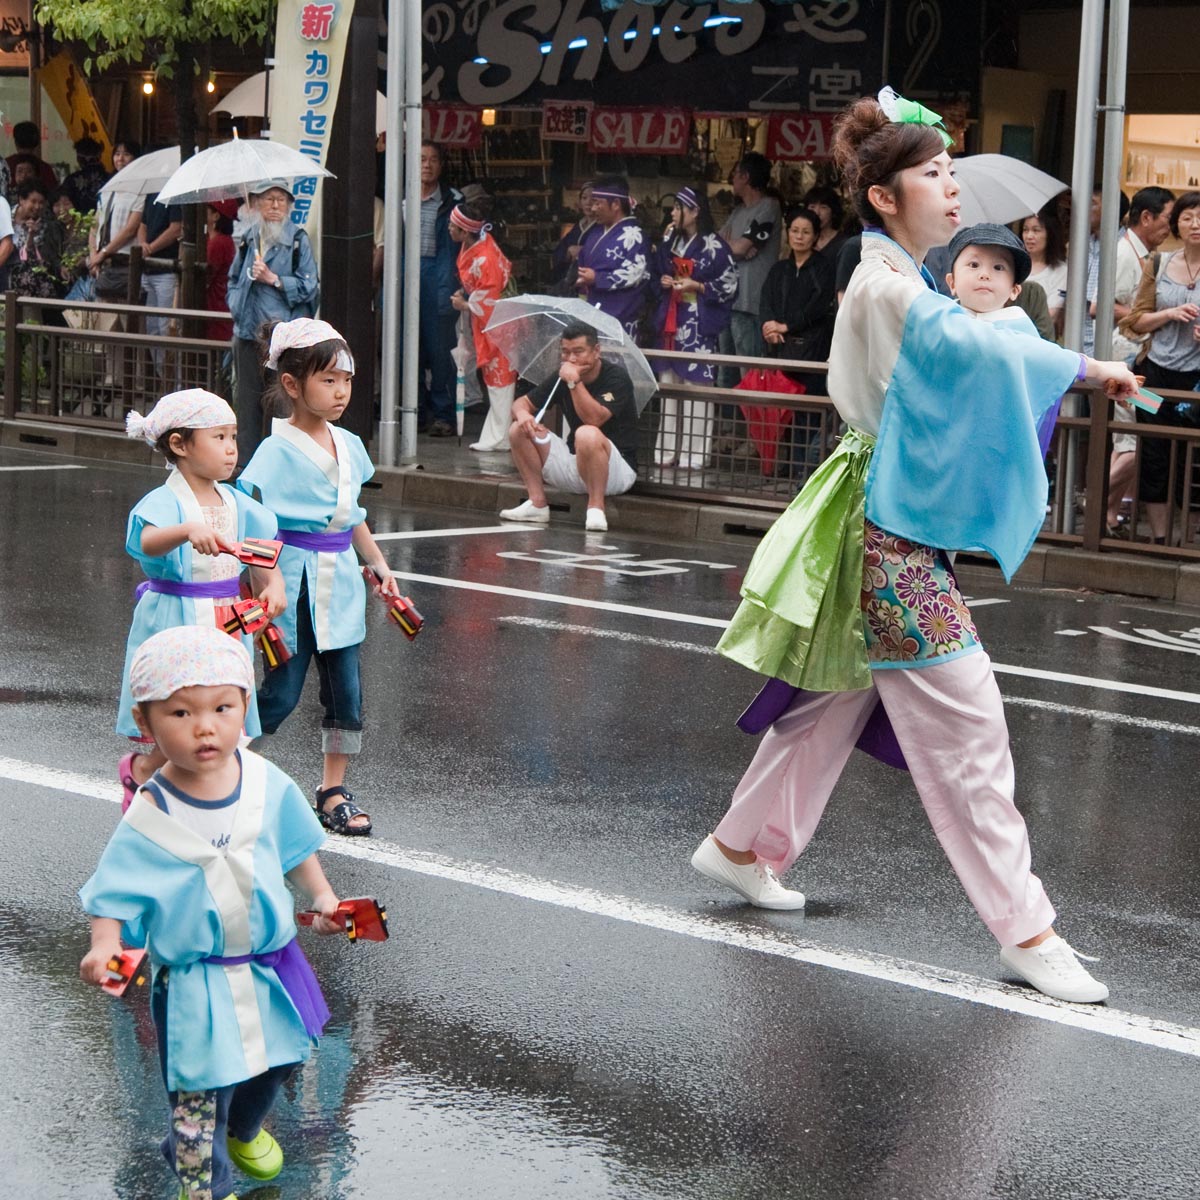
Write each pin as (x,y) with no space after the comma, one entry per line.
(310,46)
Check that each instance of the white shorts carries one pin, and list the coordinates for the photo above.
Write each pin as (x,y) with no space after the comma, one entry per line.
(561,471)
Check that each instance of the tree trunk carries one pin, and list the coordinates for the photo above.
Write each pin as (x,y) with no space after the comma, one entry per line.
(191,290)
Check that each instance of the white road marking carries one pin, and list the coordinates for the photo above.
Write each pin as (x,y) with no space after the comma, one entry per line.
(1110,1022)
(656,614)
(976,603)
(62,467)
(662,614)
(405,535)
(1094,714)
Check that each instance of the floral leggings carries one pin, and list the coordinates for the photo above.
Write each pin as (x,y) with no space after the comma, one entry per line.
(195,1144)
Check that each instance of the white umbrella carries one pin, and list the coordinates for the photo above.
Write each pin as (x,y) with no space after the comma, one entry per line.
(996,187)
(249,99)
(145,175)
(233,170)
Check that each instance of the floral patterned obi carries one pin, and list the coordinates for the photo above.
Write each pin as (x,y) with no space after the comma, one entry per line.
(912,609)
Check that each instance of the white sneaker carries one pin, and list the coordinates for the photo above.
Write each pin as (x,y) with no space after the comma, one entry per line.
(528,512)
(491,448)
(596,521)
(1054,969)
(755,881)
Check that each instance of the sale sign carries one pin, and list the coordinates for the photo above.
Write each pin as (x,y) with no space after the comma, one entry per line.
(805,137)
(640,130)
(452,127)
(566,120)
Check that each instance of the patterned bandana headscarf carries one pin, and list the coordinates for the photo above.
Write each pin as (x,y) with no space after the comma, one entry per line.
(188,656)
(304,331)
(459,218)
(191,409)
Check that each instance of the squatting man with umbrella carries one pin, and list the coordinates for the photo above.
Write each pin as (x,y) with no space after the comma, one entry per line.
(599,456)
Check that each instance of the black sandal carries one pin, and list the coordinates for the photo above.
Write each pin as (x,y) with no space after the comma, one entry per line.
(338,819)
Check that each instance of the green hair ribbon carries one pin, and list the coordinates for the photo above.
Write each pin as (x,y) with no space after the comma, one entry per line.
(912,112)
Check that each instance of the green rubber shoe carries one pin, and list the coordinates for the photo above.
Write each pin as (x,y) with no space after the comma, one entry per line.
(260,1158)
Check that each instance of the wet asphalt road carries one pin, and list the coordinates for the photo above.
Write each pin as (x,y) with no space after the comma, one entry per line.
(564,1008)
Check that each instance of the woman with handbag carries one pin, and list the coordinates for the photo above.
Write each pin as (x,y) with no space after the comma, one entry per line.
(698,280)
(797,310)
(1167,307)
(118,215)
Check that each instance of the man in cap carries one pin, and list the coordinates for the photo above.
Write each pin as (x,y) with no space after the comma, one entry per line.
(273,278)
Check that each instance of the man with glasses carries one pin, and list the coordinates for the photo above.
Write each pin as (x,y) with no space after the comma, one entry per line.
(599,456)
(273,278)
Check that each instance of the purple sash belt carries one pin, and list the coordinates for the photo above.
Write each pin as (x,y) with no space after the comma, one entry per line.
(223,589)
(297,978)
(329,543)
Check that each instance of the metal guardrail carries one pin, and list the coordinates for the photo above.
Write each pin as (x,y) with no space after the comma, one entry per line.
(92,377)
(87,363)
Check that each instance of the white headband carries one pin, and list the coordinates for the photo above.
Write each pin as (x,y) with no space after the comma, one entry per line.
(191,409)
(305,331)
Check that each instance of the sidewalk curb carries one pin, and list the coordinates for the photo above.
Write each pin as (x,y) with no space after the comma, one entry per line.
(1123,574)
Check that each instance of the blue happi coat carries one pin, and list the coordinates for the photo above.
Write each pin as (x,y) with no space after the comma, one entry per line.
(311,491)
(173,504)
(186,901)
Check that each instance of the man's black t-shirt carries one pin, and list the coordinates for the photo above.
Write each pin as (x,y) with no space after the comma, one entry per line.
(614,389)
(156,218)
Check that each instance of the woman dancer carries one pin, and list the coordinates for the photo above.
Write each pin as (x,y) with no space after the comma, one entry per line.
(851,595)
(699,281)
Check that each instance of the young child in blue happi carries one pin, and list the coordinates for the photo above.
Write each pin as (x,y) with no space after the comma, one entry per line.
(181,534)
(309,473)
(197,872)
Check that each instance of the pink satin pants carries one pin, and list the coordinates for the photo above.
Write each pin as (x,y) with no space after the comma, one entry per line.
(949,721)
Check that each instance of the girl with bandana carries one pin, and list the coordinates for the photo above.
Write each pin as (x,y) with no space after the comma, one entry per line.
(850,603)
(309,473)
(182,535)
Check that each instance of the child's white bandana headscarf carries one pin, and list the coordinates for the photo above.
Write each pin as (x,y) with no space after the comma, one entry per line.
(305,331)
(188,656)
(191,409)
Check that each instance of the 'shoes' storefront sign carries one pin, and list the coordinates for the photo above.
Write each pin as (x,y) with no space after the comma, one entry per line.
(810,57)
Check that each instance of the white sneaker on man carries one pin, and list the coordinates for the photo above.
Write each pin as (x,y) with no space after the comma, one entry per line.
(528,512)
(755,882)
(1054,969)
(595,521)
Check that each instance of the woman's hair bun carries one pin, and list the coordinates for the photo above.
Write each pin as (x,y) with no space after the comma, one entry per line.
(853,126)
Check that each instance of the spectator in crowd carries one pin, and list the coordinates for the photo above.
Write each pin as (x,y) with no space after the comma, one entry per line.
(24,167)
(753,235)
(566,253)
(797,302)
(1093,261)
(158,235)
(84,184)
(438,320)
(77,228)
(1167,309)
(38,240)
(273,277)
(599,457)
(219,254)
(118,218)
(827,204)
(7,247)
(797,311)
(484,272)
(1046,243)
(613,262)
(698,278)
(27,138)
(1147,228)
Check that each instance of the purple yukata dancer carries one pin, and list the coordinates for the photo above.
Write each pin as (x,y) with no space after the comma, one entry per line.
(850,604)
(613,265)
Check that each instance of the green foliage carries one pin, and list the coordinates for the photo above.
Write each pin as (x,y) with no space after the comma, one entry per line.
(150,31)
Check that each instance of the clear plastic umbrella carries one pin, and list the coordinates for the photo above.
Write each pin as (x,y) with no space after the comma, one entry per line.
(999,188)
(233,170)
(528,330)
(460,354)
(145,175)
(249,99)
